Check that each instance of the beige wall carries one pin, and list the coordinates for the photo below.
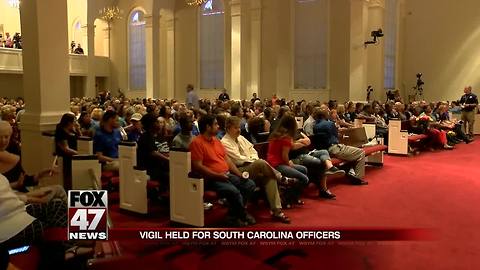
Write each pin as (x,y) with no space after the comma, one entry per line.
(442,41)
(11,85)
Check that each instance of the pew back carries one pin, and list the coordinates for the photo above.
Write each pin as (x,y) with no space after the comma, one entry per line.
(133,183)
(186,194)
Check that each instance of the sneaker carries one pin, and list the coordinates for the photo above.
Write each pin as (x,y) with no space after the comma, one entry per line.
(207,206)
(249,219)
(334,171)
(357,181)
(288,181)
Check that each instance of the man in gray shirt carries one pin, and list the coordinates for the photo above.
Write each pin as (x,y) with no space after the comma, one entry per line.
(192,98)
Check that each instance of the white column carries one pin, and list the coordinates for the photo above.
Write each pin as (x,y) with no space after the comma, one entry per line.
(236,49)
(170,57)
(149,55)
(167,55)
(376,59)
(358,53)
(255,48)
(90,90)
(45,77)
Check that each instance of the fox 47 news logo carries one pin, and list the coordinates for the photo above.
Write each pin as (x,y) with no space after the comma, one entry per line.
(87,215)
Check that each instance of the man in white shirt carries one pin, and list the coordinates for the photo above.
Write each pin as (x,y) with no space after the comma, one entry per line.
(245,157)
(310,122)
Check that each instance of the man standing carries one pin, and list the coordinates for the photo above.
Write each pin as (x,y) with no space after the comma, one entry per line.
(469,103)
(326,137)
(210,160)
(192,98)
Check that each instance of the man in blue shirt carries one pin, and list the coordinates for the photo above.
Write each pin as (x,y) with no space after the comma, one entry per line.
(326,137)
(106,140)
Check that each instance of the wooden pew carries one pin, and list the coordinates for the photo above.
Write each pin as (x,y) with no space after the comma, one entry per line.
(85,145)
(79,176)
(399,139)
(186,193)
(134,181)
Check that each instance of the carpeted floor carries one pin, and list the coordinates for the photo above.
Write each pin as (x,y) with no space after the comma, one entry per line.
(439,190)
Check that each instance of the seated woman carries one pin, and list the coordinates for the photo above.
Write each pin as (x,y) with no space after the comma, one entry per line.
(281,141)
(447,124)
(166,114)
(11,168)
(152,153)
(335,117)
(24,225)
(438,137)
(381,127)
(8,115)
(66,134)
(318,162)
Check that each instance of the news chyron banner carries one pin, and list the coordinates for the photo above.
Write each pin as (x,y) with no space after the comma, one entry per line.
(88,212)
(87,215)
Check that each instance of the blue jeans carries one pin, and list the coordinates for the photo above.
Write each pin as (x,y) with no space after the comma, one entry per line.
(297,171)
(323,154)
(315,164)
(237,191)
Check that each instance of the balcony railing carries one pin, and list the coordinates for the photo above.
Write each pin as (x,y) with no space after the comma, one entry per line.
(11,62)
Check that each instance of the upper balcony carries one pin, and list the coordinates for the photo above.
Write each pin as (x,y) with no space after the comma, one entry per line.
(11,63)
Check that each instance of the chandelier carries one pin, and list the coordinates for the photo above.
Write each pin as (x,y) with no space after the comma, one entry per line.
(195,2)
(14,3)
(110,14)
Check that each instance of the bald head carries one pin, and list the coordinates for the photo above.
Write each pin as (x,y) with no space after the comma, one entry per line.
(5,133)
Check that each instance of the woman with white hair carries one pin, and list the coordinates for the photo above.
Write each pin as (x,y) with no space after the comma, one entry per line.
(11,168)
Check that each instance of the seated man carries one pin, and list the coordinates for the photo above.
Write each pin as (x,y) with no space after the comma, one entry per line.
(184,138)
(245,157)
(326,137)
(149,156)
(210,160)
(106,140)
(134,130)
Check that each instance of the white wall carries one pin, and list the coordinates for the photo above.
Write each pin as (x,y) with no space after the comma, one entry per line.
(442,39)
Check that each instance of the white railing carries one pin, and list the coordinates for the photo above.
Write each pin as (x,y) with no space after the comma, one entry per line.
(11,62)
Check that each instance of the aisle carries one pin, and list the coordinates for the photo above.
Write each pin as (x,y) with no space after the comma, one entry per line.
(438,190)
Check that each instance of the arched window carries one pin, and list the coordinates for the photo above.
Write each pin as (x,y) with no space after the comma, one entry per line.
(79,35)
(212,44)
(311,32)
(102,42)
(390,43)
(136,51)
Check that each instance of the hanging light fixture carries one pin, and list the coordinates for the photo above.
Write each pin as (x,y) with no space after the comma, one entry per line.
(14,3)
(110,14)
(195,2)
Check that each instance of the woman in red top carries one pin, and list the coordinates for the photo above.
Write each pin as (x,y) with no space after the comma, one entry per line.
(280,144)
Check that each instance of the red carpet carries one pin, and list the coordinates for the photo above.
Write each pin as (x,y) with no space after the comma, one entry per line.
(438,190)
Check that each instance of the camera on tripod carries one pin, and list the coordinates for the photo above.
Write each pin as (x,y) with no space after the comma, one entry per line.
(420,82)
(369,92)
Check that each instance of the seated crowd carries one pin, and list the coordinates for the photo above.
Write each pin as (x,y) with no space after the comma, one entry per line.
(222,136)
